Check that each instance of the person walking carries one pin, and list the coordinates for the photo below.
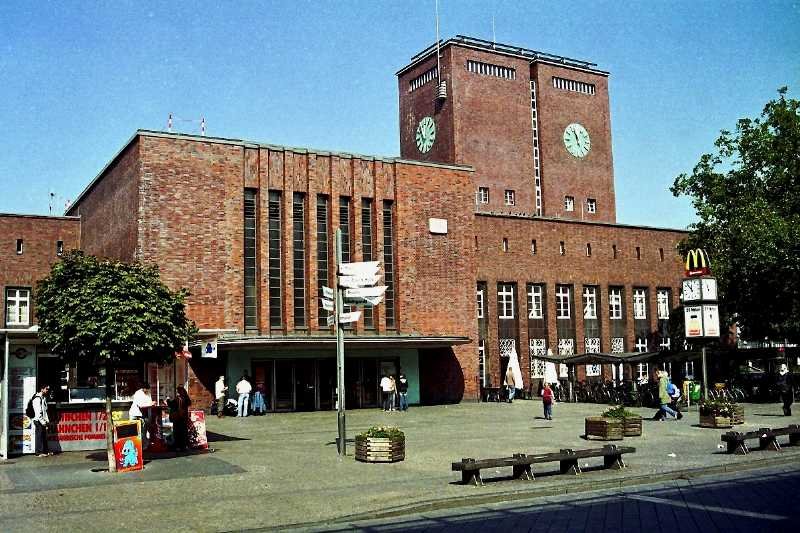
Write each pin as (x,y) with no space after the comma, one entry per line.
(402,390)
(141,399)
(41,420)
(393,394)
(386,389)
(243,388)
(786,389)
(547,401)
(219,396)
(510,384)
(179,416)
(663,396)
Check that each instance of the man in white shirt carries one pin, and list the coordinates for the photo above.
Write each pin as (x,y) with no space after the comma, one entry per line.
(243,388)
(386,389)
(141,398)
(41,420)
(219,395)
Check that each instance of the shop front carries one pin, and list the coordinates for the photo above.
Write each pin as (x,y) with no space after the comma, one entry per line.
(76,400)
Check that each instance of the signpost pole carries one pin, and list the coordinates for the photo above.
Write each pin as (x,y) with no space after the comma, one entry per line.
(705,374)
(337,309)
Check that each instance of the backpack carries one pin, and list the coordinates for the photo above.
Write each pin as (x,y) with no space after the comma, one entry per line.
(29,412)
(672,390)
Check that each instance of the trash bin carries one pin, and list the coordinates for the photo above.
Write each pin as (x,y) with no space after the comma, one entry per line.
(694,391)
(128,446)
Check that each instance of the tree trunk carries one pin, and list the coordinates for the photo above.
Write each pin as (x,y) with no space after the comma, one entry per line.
(112,462)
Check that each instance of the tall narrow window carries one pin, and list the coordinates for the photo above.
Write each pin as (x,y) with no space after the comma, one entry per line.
(588,249)
(18,307)
(535,301)
(275,280)
(569,203)
(505,301)
(639,304)
(344,225)
(661,254)
(562,250)
(591,205)
(614,251)
(638,253)
(388,263)
(533,247)
(483,195)
(510,197)
(590,302)
(366,253)
(20,245)
(662,300)
(615,303)
(562,302)
(505,244)
(322,255)
(299,258)
(480,299)
(250,288)
(60,248)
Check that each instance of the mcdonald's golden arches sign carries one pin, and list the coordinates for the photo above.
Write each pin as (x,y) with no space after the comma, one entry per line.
(697,263)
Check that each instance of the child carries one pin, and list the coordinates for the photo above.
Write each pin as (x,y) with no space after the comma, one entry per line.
(547,401)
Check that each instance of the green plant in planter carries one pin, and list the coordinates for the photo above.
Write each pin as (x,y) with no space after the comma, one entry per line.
(382,432)
(619,412)
(717,408)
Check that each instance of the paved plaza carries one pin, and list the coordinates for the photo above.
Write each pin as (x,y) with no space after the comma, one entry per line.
(282,470)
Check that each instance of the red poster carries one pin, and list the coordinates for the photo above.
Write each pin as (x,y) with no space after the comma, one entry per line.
(128,446)
(197,430)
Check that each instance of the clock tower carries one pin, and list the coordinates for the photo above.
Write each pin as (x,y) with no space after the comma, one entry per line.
(535,126)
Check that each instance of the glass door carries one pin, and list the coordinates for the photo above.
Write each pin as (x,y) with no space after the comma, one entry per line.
(284,385)
(305,384)
(327,384)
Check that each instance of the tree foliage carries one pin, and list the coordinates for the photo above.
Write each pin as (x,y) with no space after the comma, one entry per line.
(104,312)
(747,198)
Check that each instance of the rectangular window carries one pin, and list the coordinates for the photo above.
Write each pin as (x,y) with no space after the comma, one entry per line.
(569,203)
(487,69)
(388,263)
(483,195)
(366,253)
(322,255)
(510,199)
(562,250)
(588,250)
(480,301)
(344,226)
(535,301)
(423,78)
(299,258)
(563,311)
(18,307)
(638,253)
(275,277)
(19,246)
(505,244)
(59,248)
(591,205)
(533,247)
(614,251)
(640,304)
(573,85)
(250,286)
(615,303)
(590,302)
(482,362)
(505,301)
(662,301)
(661,254)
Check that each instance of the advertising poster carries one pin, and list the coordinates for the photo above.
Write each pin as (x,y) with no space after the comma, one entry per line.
(81,429)
(693,321)
(128,446)
(198,440)
(711,320)
(21,387)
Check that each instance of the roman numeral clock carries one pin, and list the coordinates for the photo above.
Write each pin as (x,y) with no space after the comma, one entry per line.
(426,134)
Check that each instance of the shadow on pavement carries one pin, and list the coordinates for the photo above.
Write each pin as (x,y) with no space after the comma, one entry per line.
(219,437)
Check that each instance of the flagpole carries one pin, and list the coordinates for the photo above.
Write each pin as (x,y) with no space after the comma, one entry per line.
(337,309)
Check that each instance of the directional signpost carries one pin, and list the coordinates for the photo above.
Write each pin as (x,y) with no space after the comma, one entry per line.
(355,286)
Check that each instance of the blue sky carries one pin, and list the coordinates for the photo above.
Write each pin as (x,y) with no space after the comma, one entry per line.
(78,78)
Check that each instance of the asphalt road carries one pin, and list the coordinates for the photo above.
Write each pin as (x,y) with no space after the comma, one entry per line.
(757,500)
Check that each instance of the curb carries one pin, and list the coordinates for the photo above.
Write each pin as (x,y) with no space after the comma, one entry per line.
(583,485)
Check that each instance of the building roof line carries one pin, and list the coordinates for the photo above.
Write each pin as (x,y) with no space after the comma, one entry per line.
(53,217)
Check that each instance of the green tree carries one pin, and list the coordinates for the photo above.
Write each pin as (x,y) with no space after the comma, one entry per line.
(107,312)
(747,198)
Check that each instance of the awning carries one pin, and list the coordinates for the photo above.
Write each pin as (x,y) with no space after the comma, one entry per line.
(601,358)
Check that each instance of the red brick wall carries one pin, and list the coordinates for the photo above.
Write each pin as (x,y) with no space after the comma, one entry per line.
(109,209)
(562,173)
(39,235)
(548,266)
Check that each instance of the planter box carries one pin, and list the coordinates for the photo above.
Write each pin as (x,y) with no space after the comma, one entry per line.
(380,450)
(632,426)
(738,414)
(711,421)
(604,428)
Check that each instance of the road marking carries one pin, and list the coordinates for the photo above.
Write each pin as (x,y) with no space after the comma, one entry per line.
(711,508)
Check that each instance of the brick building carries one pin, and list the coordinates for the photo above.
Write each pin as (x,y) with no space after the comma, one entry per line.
(511,147)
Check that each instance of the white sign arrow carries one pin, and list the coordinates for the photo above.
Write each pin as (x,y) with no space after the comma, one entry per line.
(327,292)
(373,300)
(353,316)
(367,268)
(353,282)
(330,319)
(327,304)
(365,292)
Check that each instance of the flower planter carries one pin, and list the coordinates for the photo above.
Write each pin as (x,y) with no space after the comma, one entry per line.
(738,415)
(712,421)
(604,428)
(380,449)
(632,426)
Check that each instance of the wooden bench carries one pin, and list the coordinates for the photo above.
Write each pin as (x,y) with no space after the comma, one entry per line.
(767,439)
(521,463)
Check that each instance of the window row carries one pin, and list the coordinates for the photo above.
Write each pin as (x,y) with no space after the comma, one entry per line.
(423,78)
(20,247)
(506,298)
(573,85)
(487,69)
(562,249)
(301,297)
(569,204)
(482,196)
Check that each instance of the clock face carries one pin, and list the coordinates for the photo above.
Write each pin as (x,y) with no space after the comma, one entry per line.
(426,134)
(576,140)
(709,288)
(691,290)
